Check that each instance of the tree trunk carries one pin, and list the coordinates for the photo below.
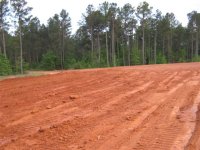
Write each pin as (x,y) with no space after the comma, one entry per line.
(113,43)
(63,49)
(155,48)
(129,57)
(30,54)
(107,52)
(37,58)
(137,42)
(4,43)
(168,47)
(118,49)
(148,56)
(21,49)
(124,57)
(143,58)
(163,46)
(92,44)
(99,48)
(192,47)
(61,53)
(171,53)
(110,51)
(197,44)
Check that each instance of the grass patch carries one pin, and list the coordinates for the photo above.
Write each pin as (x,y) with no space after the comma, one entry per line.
(27,74)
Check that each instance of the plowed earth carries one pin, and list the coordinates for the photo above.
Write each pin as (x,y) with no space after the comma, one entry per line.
(153,107)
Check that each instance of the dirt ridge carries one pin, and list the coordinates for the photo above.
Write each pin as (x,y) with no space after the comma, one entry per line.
(144,107)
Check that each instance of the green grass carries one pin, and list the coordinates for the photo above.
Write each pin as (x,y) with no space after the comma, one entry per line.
(27,74)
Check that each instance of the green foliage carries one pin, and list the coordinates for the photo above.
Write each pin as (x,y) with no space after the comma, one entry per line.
(49,61)
(136,57)
(161,59)
(182,55)
(80,64)
(196,59)
(119,62)
(34,66)
(106,32)
(17,68)
(5,67)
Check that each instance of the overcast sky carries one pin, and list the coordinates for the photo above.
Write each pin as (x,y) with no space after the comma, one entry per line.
(44,9)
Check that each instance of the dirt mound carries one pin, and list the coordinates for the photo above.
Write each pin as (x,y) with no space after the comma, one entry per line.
(145,107)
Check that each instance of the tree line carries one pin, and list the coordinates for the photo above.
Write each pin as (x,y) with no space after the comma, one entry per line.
(107,36)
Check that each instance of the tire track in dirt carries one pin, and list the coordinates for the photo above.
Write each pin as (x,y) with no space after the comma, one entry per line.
(28,123)
(170,131)
(133,126)
(122,108)
(32,126)
(103,120)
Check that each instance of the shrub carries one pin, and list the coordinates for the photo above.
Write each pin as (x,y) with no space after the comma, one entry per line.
(196,59)
(161,59)
(5,67)
(17,68)
(182,55)
(49,61)
(136,57)
(81,65)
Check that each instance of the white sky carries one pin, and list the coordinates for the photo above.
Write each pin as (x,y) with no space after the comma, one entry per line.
(44,9)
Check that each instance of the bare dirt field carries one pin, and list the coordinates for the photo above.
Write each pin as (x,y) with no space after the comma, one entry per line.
(153,107)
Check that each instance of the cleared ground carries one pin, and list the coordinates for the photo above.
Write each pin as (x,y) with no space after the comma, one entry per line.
(153,107)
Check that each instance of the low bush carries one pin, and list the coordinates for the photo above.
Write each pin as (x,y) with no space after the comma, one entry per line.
(49,61)
(5,67)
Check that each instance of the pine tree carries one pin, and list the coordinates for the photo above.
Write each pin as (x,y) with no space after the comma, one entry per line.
(4,12)
(21,11)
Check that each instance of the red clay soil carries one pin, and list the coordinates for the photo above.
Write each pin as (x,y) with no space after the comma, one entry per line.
(153,107)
